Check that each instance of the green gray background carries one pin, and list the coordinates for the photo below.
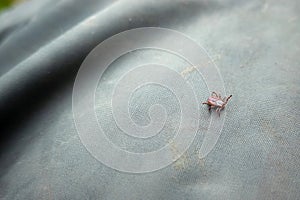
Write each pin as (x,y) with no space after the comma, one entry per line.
(256,46)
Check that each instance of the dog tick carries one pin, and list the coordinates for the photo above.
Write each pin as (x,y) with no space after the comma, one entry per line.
(215,101)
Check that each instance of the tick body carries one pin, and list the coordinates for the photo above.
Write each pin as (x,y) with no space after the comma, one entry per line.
(215,101)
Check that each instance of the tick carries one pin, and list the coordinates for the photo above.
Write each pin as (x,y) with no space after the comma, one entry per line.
(215,101)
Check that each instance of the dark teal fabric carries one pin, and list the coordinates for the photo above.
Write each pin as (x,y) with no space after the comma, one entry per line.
(256,46)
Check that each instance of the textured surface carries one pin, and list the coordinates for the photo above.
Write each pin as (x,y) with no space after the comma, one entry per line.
(255,44)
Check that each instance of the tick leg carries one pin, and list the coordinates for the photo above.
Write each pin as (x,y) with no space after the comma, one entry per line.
(205,103)
(210,107)
(218,111)
(228,98)
(214,93)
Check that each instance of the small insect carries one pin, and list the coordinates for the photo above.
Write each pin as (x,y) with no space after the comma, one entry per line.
(215,101)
